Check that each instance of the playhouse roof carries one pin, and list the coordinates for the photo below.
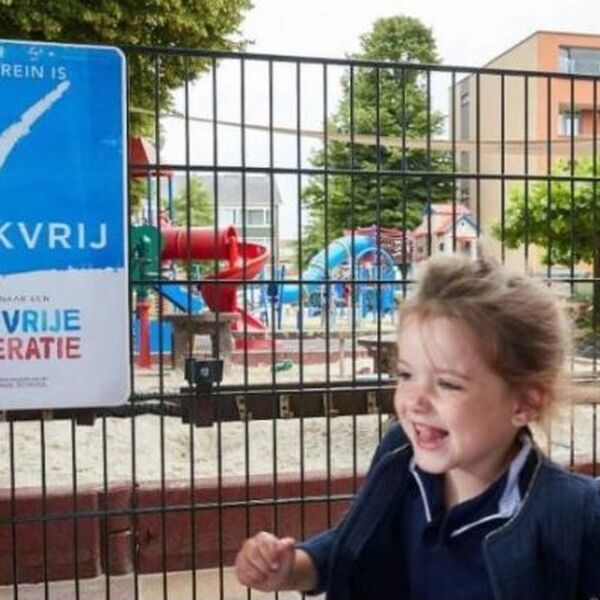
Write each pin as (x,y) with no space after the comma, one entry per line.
(143,152)
(442,216)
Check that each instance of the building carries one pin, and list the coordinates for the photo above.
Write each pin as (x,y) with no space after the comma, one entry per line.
(453,230)
(258,195)
(509,126)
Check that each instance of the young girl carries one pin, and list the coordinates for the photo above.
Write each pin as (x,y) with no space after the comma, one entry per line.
(459,503)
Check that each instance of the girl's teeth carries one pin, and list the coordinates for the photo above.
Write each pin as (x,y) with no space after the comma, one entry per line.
(429,434)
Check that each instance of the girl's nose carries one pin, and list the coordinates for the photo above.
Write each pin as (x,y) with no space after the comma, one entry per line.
(421,403)
(418,399)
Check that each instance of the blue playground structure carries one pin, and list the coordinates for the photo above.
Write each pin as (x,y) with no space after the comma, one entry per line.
(330,272)
(184,299)
(375,298)
(181,299)
(337,253)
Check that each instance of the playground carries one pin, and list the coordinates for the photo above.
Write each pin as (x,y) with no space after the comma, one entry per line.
(205,292)
(243,308)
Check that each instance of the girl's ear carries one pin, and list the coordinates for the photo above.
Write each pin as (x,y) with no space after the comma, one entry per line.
(529,405)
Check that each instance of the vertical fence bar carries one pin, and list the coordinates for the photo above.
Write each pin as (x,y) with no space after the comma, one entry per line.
(131,402)
(572,245)
(104,507)
(549,188)
(44,506)
(275,286)
(300,316)
(218,417)
(502,166)
(549,175)
(378,250)
(74,506)
(161,391)
(595,270)
(352,272)
(13,510)
(190,276)
(245,345)
(526,167)
(404,187)
(478,152)
(453,155)
(326,286)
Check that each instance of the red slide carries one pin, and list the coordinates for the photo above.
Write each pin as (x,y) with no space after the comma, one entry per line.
(244,262)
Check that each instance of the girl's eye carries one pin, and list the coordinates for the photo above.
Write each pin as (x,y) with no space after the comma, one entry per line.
(403,375)
(449,385)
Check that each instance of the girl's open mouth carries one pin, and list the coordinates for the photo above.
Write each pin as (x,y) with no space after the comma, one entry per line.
(429,438)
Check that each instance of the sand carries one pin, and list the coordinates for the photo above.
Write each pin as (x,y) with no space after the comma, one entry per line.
(105,452)
(167,444)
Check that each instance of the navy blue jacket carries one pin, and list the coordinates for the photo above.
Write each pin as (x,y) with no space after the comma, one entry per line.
(549,550)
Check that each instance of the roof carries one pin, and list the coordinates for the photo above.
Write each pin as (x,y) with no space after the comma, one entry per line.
(229,189)
(536,34)
(447,208)
(385,233)
(143,152)
(490,63)
(442,216)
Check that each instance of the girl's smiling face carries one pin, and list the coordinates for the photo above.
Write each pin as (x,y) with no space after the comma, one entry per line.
(460,416)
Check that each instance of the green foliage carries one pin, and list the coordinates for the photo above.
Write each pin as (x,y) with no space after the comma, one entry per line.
(390,101)
(201,210)
(205,24)
(561,216)
(137,193)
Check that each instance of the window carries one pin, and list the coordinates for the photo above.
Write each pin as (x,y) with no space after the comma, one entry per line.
(464,184)
(583,61)
(569,123)
(254,216)
(464,116)
(465,161)
(258,216)
(228,216)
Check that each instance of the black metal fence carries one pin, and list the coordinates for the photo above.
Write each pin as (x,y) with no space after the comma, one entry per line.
(263,359)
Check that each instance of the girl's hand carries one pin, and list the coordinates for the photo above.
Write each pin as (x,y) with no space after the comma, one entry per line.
(265,562)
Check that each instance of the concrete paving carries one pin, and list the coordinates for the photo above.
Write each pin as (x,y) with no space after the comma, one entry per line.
(210,585)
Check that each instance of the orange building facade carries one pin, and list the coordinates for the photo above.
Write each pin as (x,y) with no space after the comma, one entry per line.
(535,104)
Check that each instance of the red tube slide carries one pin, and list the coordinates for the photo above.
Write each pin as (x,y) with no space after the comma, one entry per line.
(244,262)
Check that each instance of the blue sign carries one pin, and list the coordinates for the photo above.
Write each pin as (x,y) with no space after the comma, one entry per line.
(62,157)
(64,306)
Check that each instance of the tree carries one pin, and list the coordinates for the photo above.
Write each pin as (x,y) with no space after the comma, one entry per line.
(560,216)
(380,101)
(563,218)
(183,23)
(197,213)
(201,210)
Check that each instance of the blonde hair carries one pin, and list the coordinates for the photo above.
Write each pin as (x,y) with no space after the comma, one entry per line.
(522,332)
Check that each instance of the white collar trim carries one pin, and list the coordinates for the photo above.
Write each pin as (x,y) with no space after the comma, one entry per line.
(509,502)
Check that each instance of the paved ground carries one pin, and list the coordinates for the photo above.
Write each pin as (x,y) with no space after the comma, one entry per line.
(149,587)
